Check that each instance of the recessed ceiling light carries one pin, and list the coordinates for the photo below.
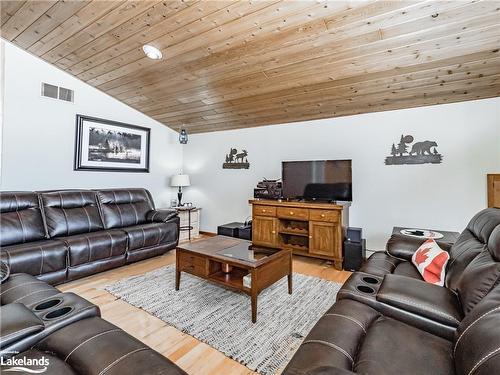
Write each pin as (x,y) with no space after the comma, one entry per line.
(152,52)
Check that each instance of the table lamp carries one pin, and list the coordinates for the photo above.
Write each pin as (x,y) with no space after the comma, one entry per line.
(179,181)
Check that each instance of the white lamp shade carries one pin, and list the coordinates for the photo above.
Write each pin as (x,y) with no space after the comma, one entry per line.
(180,180)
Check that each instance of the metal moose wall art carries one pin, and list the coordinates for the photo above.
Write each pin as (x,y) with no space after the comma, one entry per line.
(420,152)
(236,160)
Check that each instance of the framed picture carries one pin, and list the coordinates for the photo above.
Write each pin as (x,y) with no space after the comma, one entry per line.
(104,145)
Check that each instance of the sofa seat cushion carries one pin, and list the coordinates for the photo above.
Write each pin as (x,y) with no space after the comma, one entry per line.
(391,347)
(354,338)
(149,235)
(36,258)
(90,247)
(93,346)
(25,289)
(333,342)
(381,263)
(423,299)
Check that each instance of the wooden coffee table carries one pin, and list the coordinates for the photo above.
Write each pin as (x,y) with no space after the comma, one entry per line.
(226,260)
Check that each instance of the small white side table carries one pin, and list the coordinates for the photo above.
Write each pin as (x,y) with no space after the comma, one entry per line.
(190,222)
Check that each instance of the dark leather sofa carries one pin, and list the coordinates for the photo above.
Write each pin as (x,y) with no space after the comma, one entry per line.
(59,236)
(56,236)
(65,333)
(387,320)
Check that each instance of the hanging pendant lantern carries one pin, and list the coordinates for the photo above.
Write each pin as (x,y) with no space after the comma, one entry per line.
(183,137)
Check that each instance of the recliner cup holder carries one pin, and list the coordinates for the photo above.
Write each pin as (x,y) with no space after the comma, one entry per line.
(48,304)
(58,313)
(365,289)
(370,280)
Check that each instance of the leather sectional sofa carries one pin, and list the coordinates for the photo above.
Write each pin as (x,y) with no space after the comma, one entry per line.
(59,236)
(65,334)
(56,236)
(387,320)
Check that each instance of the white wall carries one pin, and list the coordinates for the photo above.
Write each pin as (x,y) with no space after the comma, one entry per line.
(38,147)
(437,196)
(39,133)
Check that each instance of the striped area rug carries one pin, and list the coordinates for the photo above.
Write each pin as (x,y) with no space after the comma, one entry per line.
(222,319)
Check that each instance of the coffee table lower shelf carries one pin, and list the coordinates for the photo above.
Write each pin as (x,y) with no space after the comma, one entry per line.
(233,279)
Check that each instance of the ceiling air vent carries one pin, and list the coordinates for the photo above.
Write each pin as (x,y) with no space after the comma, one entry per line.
(55,92)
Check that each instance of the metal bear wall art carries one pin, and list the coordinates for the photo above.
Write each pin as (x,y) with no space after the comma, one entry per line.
(420,152)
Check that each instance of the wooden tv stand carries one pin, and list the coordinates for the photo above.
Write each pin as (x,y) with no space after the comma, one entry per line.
(310,229)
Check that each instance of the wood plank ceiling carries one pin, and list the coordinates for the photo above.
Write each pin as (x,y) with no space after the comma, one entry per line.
(237,64)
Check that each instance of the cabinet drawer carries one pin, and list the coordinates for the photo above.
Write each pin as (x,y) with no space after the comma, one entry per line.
(324,215)
(192,264)
(293,213)
(264,210)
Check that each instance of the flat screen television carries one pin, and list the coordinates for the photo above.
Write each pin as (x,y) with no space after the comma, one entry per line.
(325,180)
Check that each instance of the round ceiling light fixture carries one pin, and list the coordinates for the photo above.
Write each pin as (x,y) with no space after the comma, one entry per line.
(152,52)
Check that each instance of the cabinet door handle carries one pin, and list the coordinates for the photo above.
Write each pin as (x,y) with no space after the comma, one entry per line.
(273,232)
(310,237)
(322,215)
(291,212)
(263,210)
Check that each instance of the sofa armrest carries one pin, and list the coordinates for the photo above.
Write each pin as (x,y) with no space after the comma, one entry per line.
(403,247)
(161,216)
(17,322)
(415,296)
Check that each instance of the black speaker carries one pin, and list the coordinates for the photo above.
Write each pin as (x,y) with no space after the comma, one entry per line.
(230,229)
(354,254)
(354,234)
(238,230)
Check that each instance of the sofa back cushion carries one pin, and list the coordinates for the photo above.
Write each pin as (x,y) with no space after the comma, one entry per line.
(124,207)
(473,240)
(21,219)
(476,347)
(71,212)
(478,279)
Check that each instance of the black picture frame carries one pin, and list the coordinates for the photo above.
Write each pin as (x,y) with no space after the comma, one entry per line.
(81,162)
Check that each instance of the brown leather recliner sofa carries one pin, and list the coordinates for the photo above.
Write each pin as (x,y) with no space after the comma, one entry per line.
(387,320)
(59,236)
(65,334)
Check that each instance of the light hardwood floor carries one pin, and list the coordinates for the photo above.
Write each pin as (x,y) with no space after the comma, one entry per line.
(187,352)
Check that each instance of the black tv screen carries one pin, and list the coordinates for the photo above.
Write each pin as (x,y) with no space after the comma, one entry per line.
(325,180)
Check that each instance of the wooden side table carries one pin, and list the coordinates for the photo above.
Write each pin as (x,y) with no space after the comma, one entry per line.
(448,239)
(189,222)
